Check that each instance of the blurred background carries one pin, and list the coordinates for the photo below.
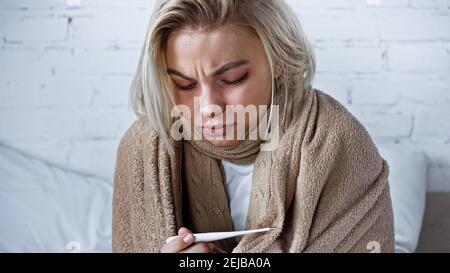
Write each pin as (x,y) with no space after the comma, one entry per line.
(65,71)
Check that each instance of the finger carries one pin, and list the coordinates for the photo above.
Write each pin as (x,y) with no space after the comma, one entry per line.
(198,248)
(178,244)
(183,230)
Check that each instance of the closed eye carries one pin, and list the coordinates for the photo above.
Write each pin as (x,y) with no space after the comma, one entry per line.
(237,81)
(186,87)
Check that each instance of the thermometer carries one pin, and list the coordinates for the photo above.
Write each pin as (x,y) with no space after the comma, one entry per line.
(216,236)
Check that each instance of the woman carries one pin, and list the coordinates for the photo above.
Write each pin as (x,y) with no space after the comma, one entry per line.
(312,173)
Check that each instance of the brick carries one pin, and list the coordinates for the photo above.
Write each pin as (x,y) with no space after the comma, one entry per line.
(386,3)
(115,4)
(14,62)
(64,64)
(425,90)
(324,4)
(36,65)
(394,126)
(413,26)
(35,30)
(435,4)
(106,28)
(45,94)
(64,123)
(97,92)
(32,4)
(336,86)
(109,62)
(55,63)
(342,25)
(349,59)
(377,90)
(434,57)
(111,91)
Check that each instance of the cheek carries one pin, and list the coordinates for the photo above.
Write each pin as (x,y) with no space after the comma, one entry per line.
(185,98)
(254,92)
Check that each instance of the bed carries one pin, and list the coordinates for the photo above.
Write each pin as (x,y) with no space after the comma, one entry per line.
(435,234)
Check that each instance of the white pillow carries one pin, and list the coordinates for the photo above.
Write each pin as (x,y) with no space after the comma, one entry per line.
(408,186)
(46,209)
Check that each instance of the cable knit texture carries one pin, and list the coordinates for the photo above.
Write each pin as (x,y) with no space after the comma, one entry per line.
(324,189)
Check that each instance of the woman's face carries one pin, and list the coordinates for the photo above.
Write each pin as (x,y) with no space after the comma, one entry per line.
(224,66)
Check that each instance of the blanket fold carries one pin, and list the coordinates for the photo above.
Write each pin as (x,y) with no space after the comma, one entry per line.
(324,189)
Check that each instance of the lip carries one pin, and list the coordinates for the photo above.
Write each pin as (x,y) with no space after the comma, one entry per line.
(216,130)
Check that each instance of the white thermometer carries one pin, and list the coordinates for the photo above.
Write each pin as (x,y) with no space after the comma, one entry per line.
(216,236)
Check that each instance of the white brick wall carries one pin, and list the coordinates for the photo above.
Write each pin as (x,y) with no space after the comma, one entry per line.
(66,65)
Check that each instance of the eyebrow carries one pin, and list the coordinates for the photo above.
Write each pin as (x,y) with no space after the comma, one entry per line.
(224,68)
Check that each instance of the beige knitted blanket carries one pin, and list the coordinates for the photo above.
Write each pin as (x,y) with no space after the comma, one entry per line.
(324,189)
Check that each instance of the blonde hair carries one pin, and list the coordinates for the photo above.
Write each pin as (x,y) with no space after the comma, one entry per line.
(285,45)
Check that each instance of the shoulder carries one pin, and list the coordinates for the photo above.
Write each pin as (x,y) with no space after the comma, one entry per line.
(337,134)
(335,121)
(136,137)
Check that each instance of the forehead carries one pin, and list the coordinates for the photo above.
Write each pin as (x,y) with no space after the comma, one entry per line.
(211,48)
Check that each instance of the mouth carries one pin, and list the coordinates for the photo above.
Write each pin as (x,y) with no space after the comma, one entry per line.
(216,130)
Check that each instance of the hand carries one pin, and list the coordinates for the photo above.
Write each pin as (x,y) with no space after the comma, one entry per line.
(184,243)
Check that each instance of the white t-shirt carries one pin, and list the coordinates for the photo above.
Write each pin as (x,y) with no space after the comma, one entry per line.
(238,187)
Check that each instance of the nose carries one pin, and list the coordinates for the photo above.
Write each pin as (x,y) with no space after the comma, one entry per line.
(212,105)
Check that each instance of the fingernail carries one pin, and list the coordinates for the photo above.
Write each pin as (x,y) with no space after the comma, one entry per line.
(181,230)
(188,238)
